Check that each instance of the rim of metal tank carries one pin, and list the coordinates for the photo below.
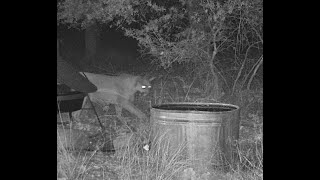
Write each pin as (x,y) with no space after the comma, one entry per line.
(203,107)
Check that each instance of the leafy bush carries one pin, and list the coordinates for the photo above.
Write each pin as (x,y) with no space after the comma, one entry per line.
(220,37)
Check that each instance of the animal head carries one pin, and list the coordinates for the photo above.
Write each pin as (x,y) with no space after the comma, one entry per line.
(143,85)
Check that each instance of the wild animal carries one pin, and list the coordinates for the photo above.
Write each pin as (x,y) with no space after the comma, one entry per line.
(119,90)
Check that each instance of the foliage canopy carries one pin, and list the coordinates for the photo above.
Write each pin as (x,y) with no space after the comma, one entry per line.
(182,31)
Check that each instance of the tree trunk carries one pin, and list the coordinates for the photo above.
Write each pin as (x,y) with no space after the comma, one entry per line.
(90,43)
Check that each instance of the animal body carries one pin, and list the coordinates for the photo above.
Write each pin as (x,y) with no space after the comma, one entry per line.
(118,90)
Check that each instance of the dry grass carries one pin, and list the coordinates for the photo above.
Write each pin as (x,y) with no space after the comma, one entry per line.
(132,161)
(135,162)
(71,163)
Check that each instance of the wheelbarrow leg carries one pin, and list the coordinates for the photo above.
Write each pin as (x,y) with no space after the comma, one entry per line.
(108,145)
(70,116)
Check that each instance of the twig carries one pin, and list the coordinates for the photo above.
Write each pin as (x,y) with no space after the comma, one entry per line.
(255,71)
(185,97)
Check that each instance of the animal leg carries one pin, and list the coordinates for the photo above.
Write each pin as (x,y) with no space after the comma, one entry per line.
(118,110)
(85,105)
(131,108)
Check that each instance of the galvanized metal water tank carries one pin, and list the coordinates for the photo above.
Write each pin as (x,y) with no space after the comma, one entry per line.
(205,130)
